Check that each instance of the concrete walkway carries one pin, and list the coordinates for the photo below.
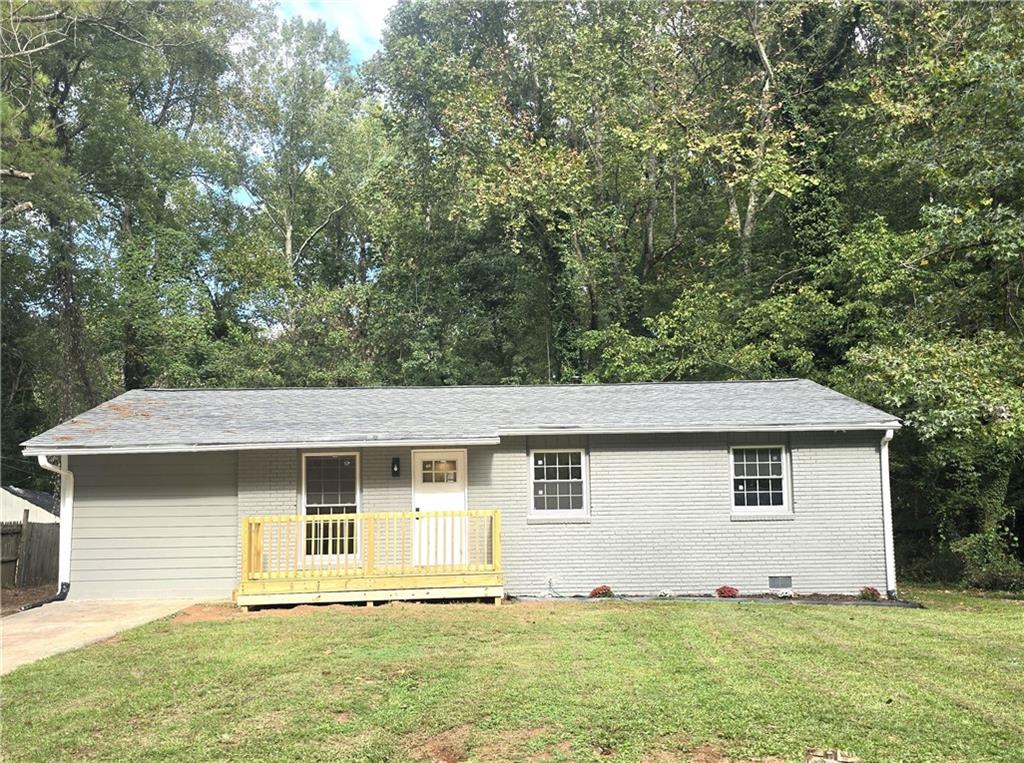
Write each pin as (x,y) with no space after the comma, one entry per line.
(62,625)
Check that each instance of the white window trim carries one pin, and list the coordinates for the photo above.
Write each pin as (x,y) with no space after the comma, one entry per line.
(785,511)
(359,491)
(556,516)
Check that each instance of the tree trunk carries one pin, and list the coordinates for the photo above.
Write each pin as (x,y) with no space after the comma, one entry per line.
(71,325)
(650,214)
(134,367)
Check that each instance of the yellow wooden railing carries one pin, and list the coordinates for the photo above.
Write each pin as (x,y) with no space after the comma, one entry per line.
(371,545)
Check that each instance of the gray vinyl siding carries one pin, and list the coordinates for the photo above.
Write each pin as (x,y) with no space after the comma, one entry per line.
(154,525)
(660,515)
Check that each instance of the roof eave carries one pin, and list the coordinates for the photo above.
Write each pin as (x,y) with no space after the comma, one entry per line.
(872,426)
(50,450)
(46,450)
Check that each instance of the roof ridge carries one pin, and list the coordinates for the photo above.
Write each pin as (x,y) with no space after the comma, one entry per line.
(538,385)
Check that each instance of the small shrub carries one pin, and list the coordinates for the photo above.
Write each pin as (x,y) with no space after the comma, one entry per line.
(869,593)
(988,561)
(727,592)
(601,592)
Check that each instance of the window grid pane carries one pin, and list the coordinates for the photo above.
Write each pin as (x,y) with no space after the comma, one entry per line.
(757,477)
(330,491)
(330,480)
(439,471)
(558,481)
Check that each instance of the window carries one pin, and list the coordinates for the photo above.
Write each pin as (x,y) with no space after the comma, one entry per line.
(558,481)
(440,471)
(330,488)
(758,478)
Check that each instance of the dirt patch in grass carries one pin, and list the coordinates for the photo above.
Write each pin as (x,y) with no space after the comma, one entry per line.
(207,613)
(224,612)
(506,745)
(562,750)
(13,599)
(447,747)
(211,613)
(707,753)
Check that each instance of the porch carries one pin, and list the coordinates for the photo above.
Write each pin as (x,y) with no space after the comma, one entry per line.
(370,557)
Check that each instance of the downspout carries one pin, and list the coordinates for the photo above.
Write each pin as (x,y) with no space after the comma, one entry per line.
(67,502)
(890,553)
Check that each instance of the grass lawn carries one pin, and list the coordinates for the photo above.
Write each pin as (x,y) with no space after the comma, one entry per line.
(608,680)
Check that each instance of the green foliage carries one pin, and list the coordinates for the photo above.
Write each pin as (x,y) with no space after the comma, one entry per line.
(989,562)
(526,192)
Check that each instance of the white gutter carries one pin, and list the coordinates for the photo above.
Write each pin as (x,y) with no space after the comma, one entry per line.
(890,553)
(67,503)
(839,427)
(494,440)
(196,448)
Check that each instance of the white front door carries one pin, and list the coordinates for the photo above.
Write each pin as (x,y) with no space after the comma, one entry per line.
(439,485)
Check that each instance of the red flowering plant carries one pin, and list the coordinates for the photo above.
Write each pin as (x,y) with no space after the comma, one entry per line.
(727,592)
(601,592)
(869,593)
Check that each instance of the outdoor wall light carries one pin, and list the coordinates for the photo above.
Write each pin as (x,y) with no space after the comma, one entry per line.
(396,466)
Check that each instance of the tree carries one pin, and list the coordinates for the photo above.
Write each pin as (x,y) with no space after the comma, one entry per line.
(204,195)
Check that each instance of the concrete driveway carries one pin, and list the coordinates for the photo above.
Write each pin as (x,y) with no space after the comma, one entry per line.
(63,625)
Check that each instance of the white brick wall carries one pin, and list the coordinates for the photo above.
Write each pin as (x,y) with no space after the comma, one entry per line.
(268,482)
(661,517)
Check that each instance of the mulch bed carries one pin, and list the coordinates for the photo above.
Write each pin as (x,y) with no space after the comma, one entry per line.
(13,599)
(833,599)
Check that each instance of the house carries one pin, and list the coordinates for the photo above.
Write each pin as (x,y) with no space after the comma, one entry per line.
(14,501)
(372,494)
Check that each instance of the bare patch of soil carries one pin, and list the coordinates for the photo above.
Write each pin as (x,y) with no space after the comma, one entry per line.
(707,753)
(207,613)
(447,747)
(560,751)
(13,599)
(505,745)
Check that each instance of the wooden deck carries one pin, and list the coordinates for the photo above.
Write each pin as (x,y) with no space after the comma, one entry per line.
(383,556)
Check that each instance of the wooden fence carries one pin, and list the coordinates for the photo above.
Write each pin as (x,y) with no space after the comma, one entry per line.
(29,552)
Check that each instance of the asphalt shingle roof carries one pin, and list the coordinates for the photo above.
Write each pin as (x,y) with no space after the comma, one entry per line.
(36,498)
(165,419)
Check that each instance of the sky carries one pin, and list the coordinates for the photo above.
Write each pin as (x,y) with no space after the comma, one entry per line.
(359,22)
